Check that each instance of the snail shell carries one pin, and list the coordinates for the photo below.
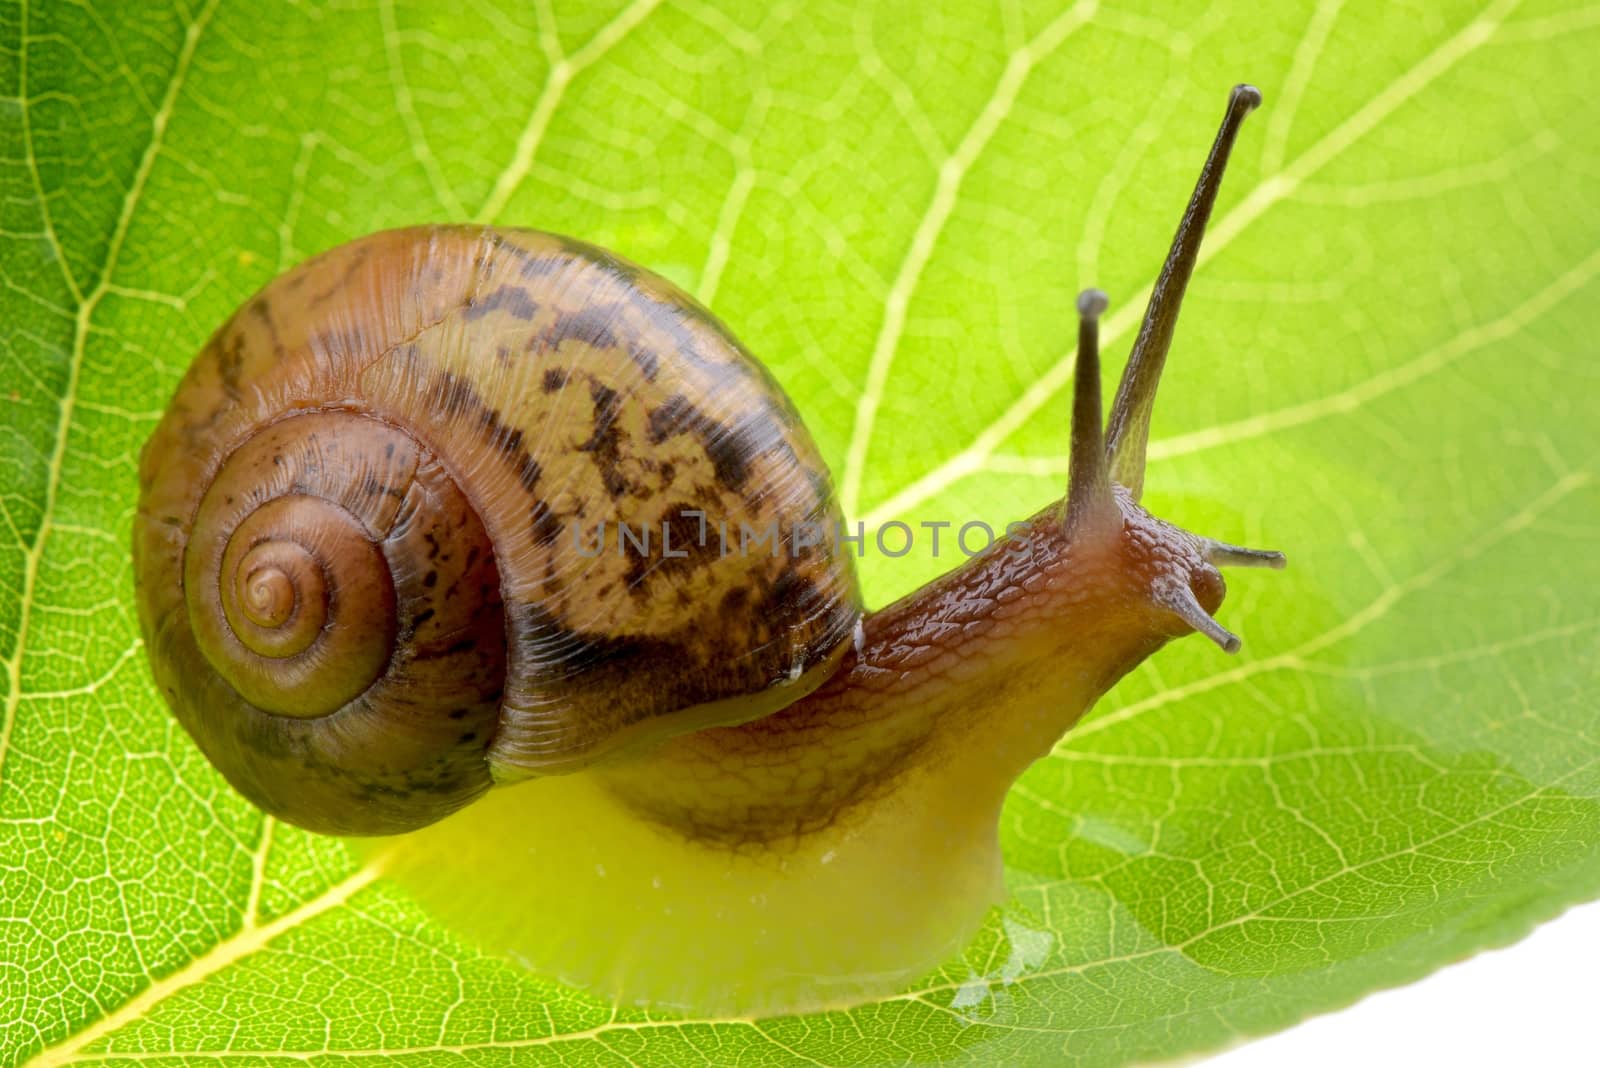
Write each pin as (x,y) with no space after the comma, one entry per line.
(364,549)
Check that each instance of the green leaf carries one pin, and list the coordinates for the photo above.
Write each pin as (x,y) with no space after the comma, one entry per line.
(1386,369)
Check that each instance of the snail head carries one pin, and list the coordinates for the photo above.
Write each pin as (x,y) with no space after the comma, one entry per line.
(1165,572)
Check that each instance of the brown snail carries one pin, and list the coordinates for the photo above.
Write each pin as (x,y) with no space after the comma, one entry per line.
(366,588)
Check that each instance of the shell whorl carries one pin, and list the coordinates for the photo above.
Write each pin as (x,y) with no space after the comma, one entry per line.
(359,548)
(340,665)
(288,586)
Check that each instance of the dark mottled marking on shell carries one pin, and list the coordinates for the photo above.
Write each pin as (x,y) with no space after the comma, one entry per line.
(730,447)
(508,441)
(514,301)
(622,270)
(569,251)
(691,541)
(792,590)
(682,338)
(458,398)
(230,360)
(543,523)
(261,309)
(649,363)
(355,260)
(605,442)
(673,322)
(598,326)
(371,486)
(689,531)
(589,326)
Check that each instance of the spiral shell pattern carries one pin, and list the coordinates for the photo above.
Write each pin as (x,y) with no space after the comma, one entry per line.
(361,553)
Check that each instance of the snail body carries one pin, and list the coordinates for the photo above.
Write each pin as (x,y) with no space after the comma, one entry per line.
(363,580)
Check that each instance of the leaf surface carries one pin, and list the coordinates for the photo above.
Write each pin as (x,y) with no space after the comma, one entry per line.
(1386,368)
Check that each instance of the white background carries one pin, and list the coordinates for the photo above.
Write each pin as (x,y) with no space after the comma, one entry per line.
(1535,1004)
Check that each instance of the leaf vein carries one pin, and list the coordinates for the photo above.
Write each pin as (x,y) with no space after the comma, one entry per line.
(248,940)
(34,553)
(1267,192)
(947,189)
(556,81)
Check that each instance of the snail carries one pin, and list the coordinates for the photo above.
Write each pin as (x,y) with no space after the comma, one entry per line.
(375,587)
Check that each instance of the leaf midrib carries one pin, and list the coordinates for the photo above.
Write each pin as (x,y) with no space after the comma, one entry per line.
(248,940)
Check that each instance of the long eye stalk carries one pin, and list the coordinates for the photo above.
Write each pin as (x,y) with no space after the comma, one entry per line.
(1090,506)
(1128,430)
